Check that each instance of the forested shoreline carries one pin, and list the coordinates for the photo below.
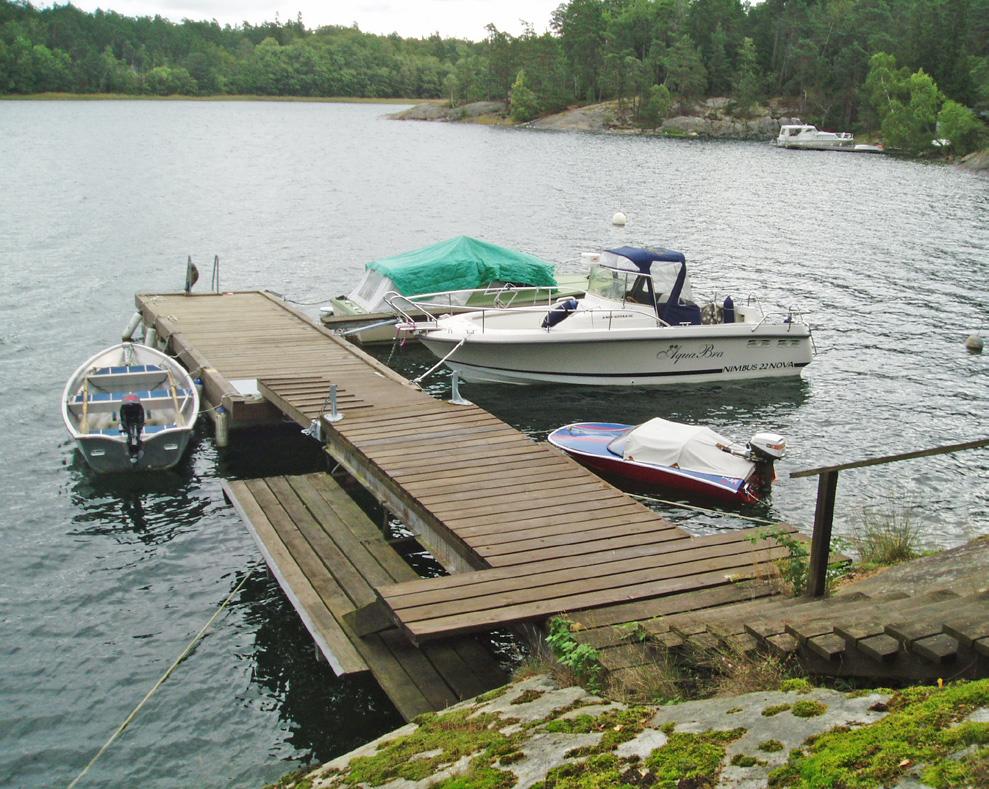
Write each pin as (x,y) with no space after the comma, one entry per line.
(910,70)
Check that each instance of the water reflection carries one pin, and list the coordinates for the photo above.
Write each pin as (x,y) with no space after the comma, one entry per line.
(151,508)
(325,715)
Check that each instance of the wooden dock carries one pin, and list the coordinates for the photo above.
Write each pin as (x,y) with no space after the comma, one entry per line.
(524,531)
(327,554)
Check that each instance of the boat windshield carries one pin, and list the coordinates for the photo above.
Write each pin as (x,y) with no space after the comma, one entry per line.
(651,289)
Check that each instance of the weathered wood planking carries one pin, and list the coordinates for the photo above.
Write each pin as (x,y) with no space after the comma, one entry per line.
(479,494)
(327,555)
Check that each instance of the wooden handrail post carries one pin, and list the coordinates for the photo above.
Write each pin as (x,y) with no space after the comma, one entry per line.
(820,543)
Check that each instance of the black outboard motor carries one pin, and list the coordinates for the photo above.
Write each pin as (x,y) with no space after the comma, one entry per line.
(559,313)
(132,423)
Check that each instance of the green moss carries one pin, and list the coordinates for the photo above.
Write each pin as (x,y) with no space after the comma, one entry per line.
(770,746)
(295,780)
(618,726)
(692,758)
(479,778)
(808,708)
(798,684)
(492,694)
(599,771)
(921,728)
(970,770)
(775,709)
(451,736)
(527,695)
(744,760)
(733,711)
(511,757)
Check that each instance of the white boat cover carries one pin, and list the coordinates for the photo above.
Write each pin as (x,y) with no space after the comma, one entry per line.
(663,443)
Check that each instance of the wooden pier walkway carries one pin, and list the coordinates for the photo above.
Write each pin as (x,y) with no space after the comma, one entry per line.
(524,530)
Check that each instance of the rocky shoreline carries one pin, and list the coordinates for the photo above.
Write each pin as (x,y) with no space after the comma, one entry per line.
(712,119)
(534,733)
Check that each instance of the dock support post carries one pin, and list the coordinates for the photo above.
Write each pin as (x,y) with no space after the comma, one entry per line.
(820,544)
(455,397)
(221,421)
(151,337)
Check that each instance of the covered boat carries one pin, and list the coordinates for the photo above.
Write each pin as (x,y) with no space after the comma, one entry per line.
(130,408)
(461,272)
(690,460)
(638,324)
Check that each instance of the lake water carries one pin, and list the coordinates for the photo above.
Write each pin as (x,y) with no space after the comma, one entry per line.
(105,581)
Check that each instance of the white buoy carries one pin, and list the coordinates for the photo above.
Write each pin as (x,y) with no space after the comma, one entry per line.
(974,343)
(619,219)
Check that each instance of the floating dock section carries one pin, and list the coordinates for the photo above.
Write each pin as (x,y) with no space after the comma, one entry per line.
(327,555)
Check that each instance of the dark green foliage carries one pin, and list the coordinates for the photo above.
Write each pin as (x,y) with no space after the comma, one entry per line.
(819,54)
(582,659)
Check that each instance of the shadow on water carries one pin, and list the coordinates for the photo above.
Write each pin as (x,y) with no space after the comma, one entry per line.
(265,451)
(326,715)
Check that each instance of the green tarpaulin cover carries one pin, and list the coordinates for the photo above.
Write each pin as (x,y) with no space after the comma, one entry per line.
(462,263)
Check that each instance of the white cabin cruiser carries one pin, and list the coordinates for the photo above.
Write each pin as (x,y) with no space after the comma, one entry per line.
(638,325)
(810,137)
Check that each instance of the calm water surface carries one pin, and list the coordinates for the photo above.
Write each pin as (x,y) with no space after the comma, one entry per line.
(105,581)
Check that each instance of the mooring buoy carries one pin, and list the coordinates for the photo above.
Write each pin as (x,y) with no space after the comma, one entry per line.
(619,219)
(974,343)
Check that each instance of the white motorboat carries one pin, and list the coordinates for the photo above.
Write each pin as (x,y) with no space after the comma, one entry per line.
(811,138)
(458,275)
(130,408)
(637,325)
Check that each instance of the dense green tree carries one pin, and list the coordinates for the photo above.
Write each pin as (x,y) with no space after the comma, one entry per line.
(819,55)
(747,89)
(524,104)
(961,127)
(580,25)
(657,107)
(686,76)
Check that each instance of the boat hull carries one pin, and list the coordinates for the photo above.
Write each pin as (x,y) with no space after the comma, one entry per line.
(121,378)
(109,455)
(650,357)
(587,444)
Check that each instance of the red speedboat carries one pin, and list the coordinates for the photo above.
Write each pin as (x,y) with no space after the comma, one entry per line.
(690,460)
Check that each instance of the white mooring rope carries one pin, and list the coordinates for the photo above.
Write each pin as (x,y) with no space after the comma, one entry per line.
(182,656)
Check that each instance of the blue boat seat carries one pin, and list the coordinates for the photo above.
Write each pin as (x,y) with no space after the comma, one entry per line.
(116,431)
(133,368)
(103,402)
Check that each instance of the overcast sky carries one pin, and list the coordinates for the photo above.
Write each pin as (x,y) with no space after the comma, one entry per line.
(413,18)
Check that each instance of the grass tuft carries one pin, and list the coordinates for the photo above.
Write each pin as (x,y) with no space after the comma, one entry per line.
(886,537)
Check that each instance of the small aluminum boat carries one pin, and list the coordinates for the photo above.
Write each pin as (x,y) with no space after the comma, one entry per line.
(689,460)
(130,408)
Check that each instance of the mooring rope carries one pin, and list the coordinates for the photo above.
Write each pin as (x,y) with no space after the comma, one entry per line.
(704,509)
(182,656)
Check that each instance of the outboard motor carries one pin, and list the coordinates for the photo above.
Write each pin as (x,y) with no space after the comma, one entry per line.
(764,450)
(559,313)
(132,423)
